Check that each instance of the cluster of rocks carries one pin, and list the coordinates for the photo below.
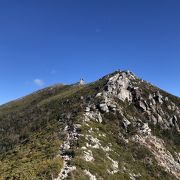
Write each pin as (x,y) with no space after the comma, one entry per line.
(134,176)
(115,165)
(72,137)
(174,123)
(143,128)
(91,176)
(88,156)
(177,157)
(165,119)
(122,86)
(142,103)
(91,113)
(94,143)
(126,123)
(116,87)
(152,106)
(162,155)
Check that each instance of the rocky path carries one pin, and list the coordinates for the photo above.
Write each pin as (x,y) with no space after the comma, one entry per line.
(72,137)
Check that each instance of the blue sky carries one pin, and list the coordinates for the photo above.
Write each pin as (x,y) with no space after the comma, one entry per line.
(43,42)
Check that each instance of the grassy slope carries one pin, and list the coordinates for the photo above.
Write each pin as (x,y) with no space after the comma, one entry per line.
(36,158)
(29,137)
(31,131)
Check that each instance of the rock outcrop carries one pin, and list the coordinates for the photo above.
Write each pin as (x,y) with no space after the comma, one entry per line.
(123,86)
(161,154)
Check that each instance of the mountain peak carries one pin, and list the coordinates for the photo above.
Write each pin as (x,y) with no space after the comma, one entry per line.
(117,127)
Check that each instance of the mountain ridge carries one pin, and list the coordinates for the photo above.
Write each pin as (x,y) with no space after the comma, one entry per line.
(118,127)
(60,84)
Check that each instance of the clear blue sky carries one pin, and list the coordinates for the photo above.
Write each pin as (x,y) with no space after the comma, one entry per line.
(43,42)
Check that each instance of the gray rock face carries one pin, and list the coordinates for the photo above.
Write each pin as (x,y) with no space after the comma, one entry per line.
(126,123)
(118,86)
(174,123)
(173,120)
(87,109)
(160,120)
(142,105)
(177,157)
(154,119)
(144,129)
(150,96)
(161,154)
(122,86)
(159,97)
(104,108)
(152,100)
(112,107)
(136,93)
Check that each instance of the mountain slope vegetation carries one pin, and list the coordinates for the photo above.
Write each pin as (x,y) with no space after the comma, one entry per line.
(119,127)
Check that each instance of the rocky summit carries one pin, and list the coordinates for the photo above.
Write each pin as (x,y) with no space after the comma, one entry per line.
(119,127)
